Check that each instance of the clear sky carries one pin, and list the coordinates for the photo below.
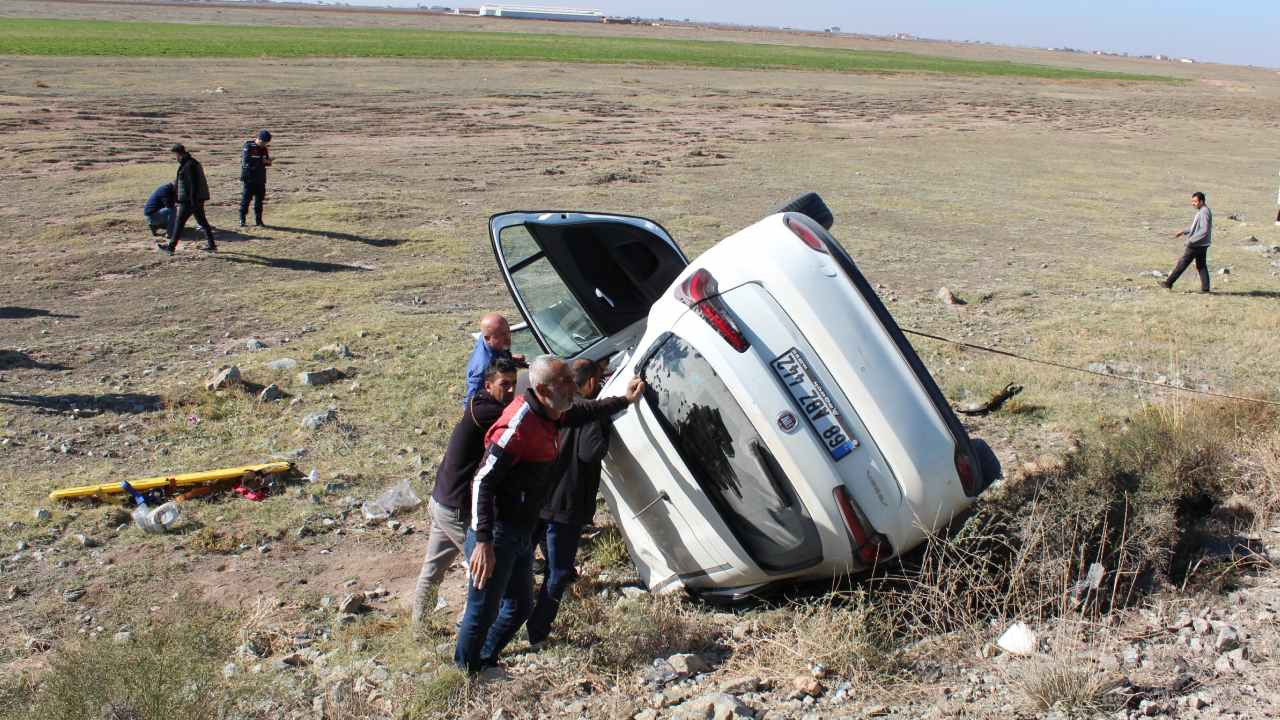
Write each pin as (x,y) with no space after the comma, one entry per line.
(1245,32)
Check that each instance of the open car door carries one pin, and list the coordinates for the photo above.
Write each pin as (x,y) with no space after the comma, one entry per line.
(584,282)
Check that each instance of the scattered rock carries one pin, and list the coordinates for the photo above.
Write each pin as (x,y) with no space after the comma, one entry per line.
(122,637)
(1228,639)
(316,420)
(254,344)
(73,594)
(808,685)
(740,685)
(336,350)
(283,364)
(1224,271)
(1018,640)
(226,377)
(688,664)
(270,393)
(720,706)
(316,378)
(41,515)
(351,604)
(949,298)
(86,541)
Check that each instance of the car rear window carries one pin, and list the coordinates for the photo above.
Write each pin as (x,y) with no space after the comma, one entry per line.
(728,458)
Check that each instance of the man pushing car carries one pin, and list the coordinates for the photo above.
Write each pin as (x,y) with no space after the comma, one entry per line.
(507,497)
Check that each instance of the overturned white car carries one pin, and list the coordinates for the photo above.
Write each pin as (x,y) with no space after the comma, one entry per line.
(789,430)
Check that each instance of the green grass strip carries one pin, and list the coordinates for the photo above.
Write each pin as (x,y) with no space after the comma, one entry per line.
(31,36)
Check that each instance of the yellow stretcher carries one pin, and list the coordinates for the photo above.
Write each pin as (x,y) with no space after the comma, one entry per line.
(173,481)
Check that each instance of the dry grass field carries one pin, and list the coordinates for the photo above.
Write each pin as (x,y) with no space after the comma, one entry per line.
(1044,204)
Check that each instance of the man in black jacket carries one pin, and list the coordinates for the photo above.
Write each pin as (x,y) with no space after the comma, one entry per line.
(507,495)
(571,505)
(255,158)
(451,499)
(193,191)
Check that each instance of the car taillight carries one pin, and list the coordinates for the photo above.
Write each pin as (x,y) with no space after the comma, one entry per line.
(868,546)
(805,233)
(700,292)
(968,474)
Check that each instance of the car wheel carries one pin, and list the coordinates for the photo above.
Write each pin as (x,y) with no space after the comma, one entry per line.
(810,204)
(991,470)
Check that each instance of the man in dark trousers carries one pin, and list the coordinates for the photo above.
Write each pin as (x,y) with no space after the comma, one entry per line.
(254,161)
(192,191)
(450,505)
(1198,236)
(159,209)
(507,496)
(571,504)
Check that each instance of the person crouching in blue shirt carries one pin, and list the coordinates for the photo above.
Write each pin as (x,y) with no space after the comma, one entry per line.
(159,208)
(494,342)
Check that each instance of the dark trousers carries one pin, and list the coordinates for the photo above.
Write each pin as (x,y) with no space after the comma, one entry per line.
(1200,256)
(495,613)
(184,213)
(559,543)
(257,192)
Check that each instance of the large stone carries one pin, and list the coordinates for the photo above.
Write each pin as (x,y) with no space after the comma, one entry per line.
(949,298)
(270,393)
(254,344)
(320,377)
(283,364)
(226,377)
(739,685)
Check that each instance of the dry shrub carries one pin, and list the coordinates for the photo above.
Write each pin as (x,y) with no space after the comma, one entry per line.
(846,634)
(629,634)
(1070,687)
(1135,500)
(170,669)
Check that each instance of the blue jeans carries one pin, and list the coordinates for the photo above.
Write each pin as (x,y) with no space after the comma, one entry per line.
(160,218)
(559,543)
(495,613)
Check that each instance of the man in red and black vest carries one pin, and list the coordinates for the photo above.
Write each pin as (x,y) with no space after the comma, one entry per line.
(507,497)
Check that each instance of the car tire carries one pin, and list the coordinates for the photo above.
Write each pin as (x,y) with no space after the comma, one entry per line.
(991,470)
(810,204)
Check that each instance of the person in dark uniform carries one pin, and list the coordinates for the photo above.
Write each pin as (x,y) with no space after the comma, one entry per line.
(159,209)
(193,191)
(254,161)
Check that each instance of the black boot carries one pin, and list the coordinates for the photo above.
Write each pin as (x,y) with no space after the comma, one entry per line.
(257,220)
(242,222)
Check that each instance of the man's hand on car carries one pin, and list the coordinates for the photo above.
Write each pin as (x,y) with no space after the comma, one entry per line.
(635,390)
(481,564)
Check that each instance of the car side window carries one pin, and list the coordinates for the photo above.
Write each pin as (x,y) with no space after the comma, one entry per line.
(729,459)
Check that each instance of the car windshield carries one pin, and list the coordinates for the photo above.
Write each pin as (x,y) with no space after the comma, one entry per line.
(728,459)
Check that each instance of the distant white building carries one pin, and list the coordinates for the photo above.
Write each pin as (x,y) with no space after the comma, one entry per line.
(534,12)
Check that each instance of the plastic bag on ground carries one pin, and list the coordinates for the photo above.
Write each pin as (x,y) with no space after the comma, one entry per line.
(394,499)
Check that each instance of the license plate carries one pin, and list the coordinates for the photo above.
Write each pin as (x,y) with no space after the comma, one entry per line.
(814,403)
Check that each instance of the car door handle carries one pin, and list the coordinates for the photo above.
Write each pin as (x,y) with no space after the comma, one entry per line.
(661,496)
(600,294)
